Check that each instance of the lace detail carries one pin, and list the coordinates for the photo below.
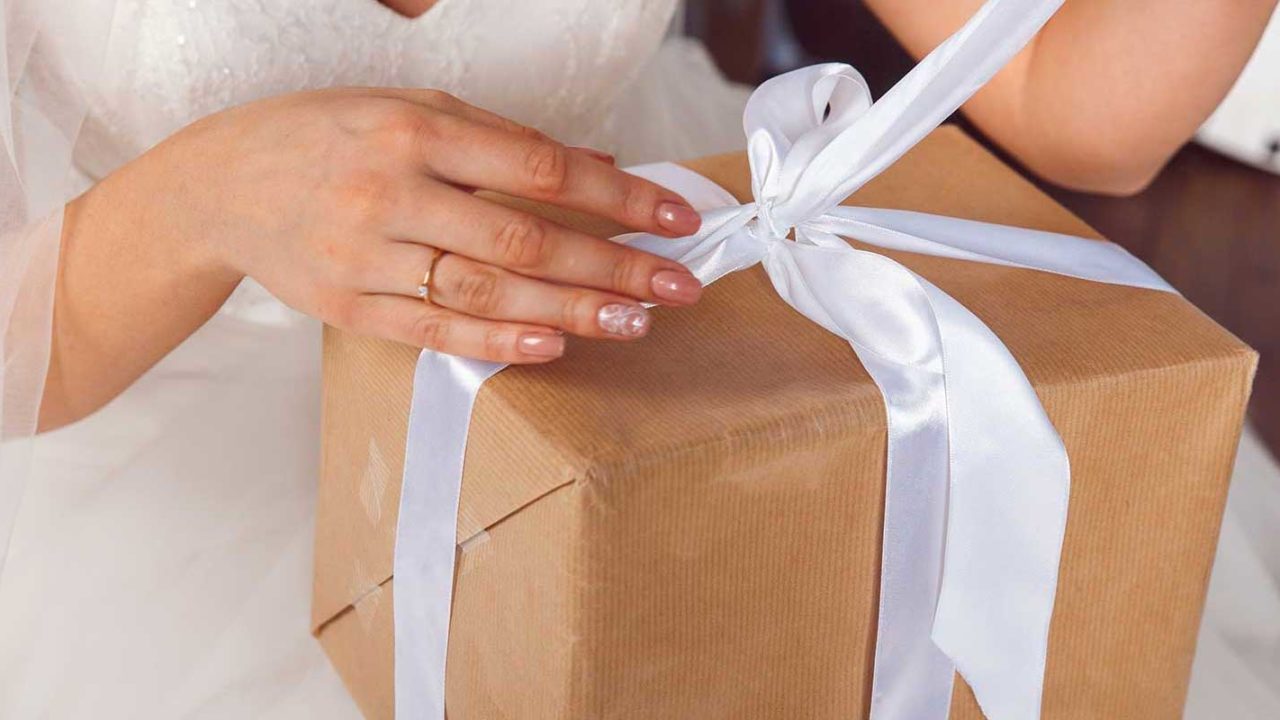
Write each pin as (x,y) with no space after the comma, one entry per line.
(557,64)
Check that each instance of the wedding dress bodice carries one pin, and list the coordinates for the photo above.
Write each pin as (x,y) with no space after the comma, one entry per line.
(557,65)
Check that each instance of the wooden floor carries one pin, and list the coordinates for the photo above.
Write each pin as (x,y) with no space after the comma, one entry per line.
(1209,225)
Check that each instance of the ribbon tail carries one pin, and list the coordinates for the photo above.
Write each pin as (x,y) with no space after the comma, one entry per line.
(444,393)
(1006,517)
(1010,477)
(976,485)
(843,290)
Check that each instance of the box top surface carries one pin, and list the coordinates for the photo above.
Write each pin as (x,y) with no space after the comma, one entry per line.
(741,377)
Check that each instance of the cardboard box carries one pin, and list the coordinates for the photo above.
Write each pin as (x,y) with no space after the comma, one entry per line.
(689,526)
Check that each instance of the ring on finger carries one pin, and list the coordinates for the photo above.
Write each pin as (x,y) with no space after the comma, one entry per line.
(424,287)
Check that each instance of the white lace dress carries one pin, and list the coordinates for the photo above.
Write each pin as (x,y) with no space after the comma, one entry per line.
(161,564)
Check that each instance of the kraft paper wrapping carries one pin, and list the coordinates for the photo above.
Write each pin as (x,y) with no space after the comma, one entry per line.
(689,526)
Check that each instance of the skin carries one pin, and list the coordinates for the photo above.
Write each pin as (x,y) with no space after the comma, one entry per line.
(1109,89)
(409,8)
(334,200)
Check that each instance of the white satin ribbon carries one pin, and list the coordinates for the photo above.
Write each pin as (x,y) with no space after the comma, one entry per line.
(976,476)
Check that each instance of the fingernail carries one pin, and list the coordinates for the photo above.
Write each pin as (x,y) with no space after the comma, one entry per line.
(600,155)
(622,319)
(542,345)
(676,286)
(678,218)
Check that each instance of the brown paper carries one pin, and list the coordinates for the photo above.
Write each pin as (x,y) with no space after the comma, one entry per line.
(689,526)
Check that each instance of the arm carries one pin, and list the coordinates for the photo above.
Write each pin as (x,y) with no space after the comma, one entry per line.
(1109,90)
(337,202)
(127,292)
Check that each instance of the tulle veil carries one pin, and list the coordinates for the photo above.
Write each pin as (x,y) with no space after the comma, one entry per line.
(50,57)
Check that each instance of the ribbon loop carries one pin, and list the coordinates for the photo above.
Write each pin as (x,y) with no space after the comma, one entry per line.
(814,137)
(782,137)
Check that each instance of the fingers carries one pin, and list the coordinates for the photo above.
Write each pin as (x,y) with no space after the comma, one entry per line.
(480,290)
(466,152)
(413,322)
(535,247)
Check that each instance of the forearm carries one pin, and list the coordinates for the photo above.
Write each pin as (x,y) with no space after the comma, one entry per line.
(128,291)
(1110,89)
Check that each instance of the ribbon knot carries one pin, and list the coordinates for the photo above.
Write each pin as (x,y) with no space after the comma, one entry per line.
(765,224)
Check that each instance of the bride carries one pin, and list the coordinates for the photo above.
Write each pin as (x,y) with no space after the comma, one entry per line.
(193,186)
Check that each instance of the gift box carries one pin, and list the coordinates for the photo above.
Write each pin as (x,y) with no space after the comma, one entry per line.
(690,525)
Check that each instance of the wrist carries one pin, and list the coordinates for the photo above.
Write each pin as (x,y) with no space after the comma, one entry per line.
(125,233)
(148,212)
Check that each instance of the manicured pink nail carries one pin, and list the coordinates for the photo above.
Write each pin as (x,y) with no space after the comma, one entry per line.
(541,345)
(678,219)
(676,286)
(624,320)
(600,155)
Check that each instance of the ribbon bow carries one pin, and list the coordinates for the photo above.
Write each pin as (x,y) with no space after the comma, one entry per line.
(977,477)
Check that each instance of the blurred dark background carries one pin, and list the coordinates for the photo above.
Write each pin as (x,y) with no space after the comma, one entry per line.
(1208,224)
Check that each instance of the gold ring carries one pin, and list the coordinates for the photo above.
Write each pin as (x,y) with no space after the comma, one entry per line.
(424,288)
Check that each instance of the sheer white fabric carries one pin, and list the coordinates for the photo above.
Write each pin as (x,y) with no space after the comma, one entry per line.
(161,563)
(48,63)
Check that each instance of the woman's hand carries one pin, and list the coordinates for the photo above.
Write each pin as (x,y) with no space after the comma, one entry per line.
(336,201)
(339,202)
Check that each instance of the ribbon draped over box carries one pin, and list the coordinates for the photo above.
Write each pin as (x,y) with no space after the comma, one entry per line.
(976,477)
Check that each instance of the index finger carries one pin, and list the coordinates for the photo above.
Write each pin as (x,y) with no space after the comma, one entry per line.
(538,168)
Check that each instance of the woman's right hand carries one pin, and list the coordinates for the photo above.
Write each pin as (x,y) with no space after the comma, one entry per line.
(337,200)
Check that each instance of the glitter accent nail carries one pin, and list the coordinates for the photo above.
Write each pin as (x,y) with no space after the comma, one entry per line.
(624,320)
